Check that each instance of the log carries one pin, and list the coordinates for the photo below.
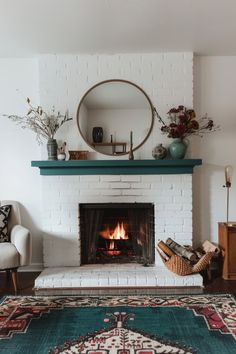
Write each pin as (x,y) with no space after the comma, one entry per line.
(208,246)
(165,248)
(180,250)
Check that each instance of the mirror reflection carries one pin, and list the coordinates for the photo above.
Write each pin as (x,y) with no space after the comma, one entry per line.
(113,114)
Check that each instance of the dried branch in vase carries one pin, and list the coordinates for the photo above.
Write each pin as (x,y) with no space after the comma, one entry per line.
(43,124)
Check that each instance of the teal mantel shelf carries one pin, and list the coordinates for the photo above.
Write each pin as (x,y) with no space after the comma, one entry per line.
(116,167)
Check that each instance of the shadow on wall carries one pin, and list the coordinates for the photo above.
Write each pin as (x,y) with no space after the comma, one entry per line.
(209,202)
(28,222)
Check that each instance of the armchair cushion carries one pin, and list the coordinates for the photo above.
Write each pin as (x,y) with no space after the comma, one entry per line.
(9,256)
(4,216)
(21,239)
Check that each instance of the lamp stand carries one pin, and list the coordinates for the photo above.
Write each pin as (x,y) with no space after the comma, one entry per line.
(227,185)
(227,210)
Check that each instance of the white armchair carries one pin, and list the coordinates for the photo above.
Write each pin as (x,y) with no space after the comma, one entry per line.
(17,252)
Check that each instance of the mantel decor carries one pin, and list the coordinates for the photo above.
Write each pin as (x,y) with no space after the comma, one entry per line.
(182,123)
(44,125)
(116,167)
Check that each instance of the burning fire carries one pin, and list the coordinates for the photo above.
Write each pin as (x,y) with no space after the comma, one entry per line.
(118,234)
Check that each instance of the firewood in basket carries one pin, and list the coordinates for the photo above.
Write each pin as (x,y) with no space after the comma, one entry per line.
(208,246)
(162,254)
(165,248)
(180,250)
(198,252)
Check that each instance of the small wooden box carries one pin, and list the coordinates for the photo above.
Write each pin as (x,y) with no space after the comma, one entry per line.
(227,243)
(78,155)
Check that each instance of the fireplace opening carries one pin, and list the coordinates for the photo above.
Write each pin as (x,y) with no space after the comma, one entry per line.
(117,233)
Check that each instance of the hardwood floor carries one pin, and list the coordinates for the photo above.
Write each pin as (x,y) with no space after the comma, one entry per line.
(26,284)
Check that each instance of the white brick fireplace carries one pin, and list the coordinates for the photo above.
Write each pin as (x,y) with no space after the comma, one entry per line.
(168,80)
(61,196)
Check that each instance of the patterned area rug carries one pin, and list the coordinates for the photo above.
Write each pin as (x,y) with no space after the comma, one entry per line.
(202,324)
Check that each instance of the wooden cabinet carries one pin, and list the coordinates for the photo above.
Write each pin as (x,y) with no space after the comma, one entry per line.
(227,243)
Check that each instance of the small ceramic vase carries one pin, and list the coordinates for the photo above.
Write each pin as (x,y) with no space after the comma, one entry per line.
(61,156)
(159,152)
(52,149)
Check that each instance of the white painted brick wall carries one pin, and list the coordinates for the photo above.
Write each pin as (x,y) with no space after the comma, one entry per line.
(62,195)
(166,77)
(168,80)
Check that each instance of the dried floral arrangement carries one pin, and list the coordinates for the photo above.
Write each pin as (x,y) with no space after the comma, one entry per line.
(44,125)
(183,123)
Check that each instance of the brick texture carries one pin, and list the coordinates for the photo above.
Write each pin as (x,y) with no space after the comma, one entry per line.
(173,217)
(167,78)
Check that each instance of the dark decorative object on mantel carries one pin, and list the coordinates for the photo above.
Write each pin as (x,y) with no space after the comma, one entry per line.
(183,124)
(97,134)
(131,154)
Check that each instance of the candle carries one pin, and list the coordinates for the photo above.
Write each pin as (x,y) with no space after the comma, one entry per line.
(131,138)
(228,173)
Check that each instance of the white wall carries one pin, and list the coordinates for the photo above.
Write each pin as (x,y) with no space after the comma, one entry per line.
(18,181)
(166,77)
(214,92)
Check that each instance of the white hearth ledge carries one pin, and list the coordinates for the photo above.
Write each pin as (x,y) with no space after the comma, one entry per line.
(113,276)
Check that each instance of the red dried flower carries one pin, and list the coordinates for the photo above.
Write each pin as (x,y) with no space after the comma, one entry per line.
(173,110)
(183,123)
(194,125)
(183,118)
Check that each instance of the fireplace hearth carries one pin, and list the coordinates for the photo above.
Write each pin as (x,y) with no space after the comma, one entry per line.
(117,233)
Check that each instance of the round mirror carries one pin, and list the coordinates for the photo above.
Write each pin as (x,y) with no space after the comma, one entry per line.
(114,114)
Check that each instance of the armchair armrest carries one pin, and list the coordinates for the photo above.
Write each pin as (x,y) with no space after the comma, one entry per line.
(21,238)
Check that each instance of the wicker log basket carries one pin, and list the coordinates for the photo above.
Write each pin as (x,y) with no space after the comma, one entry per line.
(178,265)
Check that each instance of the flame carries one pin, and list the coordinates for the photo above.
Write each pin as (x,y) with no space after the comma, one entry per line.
(118,234)
(111,245)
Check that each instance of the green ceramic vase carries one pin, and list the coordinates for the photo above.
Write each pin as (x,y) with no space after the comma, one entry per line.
(177,149)
(52,149)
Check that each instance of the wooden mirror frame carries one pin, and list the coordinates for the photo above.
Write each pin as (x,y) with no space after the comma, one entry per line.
(123,81)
